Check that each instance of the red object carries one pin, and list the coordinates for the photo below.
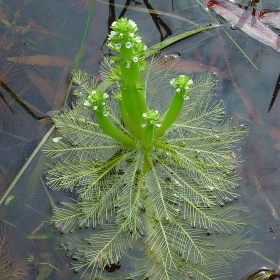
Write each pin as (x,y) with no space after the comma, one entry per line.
(261,14)
(252,26)
(210,4)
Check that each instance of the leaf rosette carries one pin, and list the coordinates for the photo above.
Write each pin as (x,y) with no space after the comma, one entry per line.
(159,184)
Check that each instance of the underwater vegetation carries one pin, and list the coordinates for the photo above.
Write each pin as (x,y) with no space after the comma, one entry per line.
(150,159)
(12,267)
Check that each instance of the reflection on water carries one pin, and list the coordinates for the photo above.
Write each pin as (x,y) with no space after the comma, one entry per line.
(49,29)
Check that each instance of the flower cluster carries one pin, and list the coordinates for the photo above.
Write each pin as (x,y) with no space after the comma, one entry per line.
(124,35)
(124,40)
(96,100)
(151,118)
(182,85)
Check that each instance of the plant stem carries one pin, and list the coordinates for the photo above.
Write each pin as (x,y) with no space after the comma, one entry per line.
(135,105)
(132,91)
(171,115)
(108,128)
(124,116)
(148,138)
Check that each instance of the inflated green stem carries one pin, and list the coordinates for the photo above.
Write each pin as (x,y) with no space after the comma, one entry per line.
(123,113)
(124,40)
(148,138)
(182,85)
(108,128)
(135,107)
(151,120)
(96,100)
(171,115)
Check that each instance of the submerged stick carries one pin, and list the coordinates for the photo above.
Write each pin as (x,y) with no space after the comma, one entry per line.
(42,142)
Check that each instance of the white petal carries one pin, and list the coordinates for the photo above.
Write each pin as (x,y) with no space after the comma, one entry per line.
(132,23)
(86,103)
(57,139)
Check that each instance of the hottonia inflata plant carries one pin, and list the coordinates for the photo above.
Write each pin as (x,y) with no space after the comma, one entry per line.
(147,165)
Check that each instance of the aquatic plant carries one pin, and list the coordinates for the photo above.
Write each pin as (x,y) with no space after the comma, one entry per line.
(151,161)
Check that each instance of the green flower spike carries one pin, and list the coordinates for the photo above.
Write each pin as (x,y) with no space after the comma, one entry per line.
(96,100)
(151,121)
(124,40)
(182,85)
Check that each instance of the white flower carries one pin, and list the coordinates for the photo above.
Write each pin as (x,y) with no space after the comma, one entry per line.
(93,92)
(186,98)
(110,46)
(178,90)
(118,46)
(158,125)
(57,139)
(131,35)
(190,82)
(121,34)
(172,82)
(132,23)
(105,95)
(127,65)
(95,108)
(143,125)
(86,103)
(113,24)
(135,59)
(128,45)
(137,39)
(144,115)
(112,34)
(144,47)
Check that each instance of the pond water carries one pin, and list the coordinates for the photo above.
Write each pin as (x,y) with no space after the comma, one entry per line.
(39,44)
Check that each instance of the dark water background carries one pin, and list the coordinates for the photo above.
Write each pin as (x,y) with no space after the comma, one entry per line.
(30,89)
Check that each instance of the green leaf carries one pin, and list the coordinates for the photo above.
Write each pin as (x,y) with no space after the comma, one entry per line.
(157,47)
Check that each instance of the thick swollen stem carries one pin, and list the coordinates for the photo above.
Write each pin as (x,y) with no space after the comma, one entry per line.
(135,106)
(171,115)
(148,138)
(133,93)
(130,70)
(182,85)
(124,40)
(108,128)
(124,116)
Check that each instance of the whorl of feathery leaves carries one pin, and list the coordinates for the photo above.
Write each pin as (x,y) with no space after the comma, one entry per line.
(167,198)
